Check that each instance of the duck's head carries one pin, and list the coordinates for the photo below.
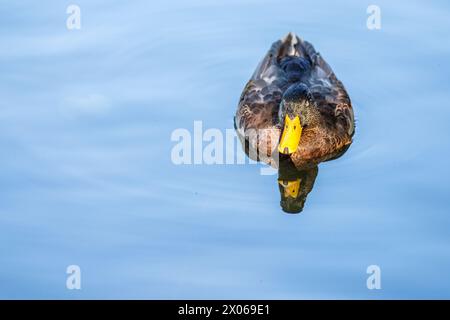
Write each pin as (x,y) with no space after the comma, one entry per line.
(297,112)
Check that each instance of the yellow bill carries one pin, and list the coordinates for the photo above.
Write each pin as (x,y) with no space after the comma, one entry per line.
(290,137)
(291,188)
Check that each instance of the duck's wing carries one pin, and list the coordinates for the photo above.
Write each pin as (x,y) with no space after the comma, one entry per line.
(260,99)
(327,90)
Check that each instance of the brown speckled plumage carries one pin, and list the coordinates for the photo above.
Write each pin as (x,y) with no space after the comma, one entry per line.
(291,61)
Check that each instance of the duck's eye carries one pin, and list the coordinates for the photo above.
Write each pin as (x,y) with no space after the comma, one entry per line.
(286,126)
(295,127)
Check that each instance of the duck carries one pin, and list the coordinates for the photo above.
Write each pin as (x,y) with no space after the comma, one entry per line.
(294,107)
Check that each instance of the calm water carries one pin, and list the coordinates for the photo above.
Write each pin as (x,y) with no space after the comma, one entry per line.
(86,176)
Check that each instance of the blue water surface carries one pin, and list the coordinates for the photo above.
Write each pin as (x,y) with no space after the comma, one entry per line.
(86,176)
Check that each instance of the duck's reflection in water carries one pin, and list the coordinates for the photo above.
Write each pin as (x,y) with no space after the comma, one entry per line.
(295,185)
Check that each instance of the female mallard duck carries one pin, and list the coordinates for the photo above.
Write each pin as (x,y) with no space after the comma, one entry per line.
(294,94)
